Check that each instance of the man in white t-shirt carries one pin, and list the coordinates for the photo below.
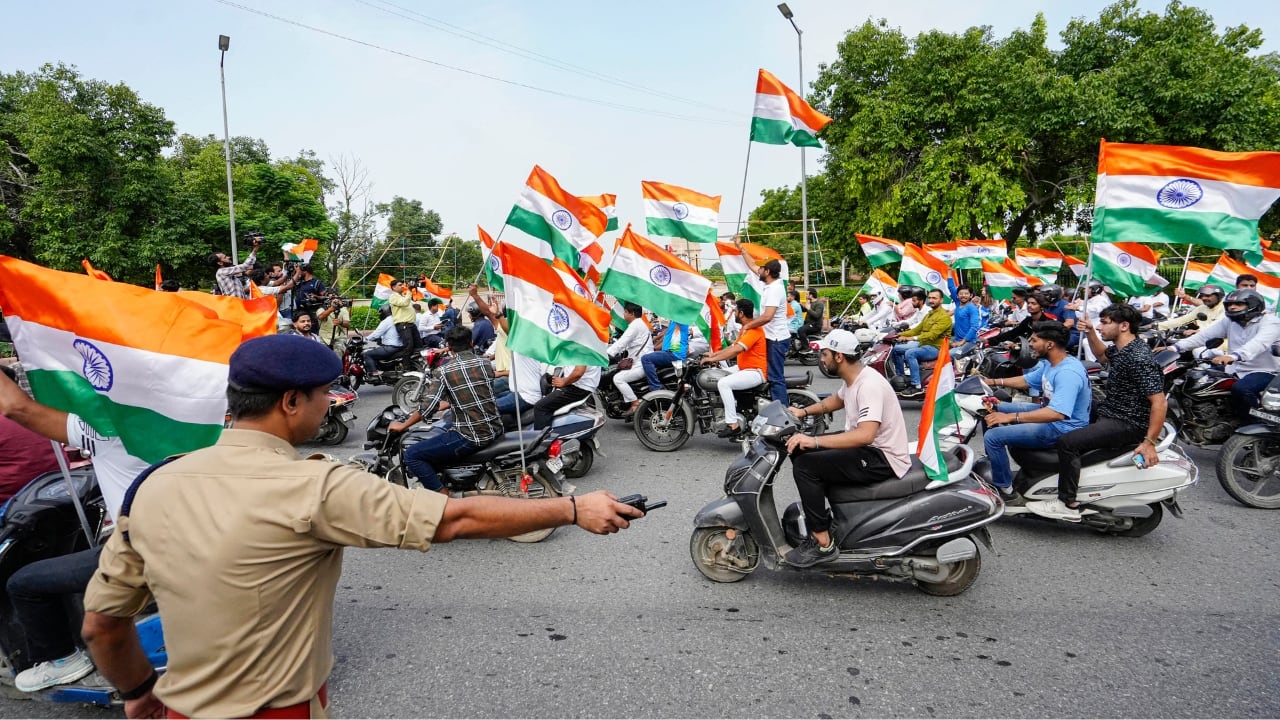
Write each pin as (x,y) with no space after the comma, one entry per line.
(569,385)
(773,318)
(39,591)
(526,385)
(872,448)
(635,343)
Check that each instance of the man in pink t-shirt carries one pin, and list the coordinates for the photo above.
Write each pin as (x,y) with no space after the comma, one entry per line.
(872,448)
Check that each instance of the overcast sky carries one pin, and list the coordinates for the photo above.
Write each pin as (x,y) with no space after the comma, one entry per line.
(672,82)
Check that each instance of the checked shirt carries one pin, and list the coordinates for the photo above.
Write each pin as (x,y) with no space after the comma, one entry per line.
(466,382)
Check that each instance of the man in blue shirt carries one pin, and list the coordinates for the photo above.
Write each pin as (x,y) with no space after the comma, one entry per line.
(1061,381)
(964,329)
(675,346)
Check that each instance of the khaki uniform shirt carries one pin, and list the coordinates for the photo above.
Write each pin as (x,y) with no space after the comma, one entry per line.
(241,545)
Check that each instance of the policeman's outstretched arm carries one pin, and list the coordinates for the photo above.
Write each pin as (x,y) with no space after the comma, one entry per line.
(494,517)
(113,642)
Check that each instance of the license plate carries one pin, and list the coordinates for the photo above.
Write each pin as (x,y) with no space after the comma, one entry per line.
(555,464)
(1266,416)
(346,417)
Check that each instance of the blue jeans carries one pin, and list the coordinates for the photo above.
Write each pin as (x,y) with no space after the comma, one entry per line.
(449,445)
(1029,435)
(915,355)
(898,356)
(39,593)
(650,363)
(776,367)
(1246,392)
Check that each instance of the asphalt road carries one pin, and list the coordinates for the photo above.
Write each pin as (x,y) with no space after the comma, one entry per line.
(1062,622)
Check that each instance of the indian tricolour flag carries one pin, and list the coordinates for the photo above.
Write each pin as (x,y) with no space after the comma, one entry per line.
(971,253)
(1227,269)
(147,367)
(1077,266)
(654,279)
(940,412)
(1196,276)
(673,211)
(1125,267)
(711,323)
(880,282)
(737,274)
(301,250)
(1269,264)
(781,116)
(550,322)
(1044,264)
(1183,195)
(609,204)
(548,222)
(382,291)
(922,269)
(946,252)
(1002,277)
(880,251)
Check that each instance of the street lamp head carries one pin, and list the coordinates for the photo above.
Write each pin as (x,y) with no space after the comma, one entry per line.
(224,42)
(786,11)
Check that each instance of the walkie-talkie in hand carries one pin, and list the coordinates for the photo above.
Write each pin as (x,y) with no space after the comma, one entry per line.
(638,502)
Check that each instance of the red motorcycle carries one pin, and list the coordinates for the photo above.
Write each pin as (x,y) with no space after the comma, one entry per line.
(337,421)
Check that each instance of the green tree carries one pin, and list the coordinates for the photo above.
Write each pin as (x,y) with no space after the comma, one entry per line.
(410,246)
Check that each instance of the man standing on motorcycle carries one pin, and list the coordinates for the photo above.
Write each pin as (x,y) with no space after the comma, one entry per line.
(751,352)
(635,343)
(1131,413)
(465,384)
(773,318)
(1210,297)
(928,335)
(403,315)
(1061,380)
(872,448)
(248,613)
(1249,331)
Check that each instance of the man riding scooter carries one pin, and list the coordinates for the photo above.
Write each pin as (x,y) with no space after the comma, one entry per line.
(872,448)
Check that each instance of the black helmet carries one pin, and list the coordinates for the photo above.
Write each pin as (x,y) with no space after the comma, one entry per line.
(1207,289)
(906,291)
(1051,293)
(473,310)
(1254,305)
(1094,287)
(384,312)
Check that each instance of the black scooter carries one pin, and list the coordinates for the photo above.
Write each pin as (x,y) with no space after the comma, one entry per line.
(900,529)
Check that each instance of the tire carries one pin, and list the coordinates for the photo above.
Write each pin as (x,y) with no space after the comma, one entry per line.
(352,381)
(1142,526)
(332,432)
(539,488)
(958,577)
(706,544)
(1249,464)
(405,389)
(397,476)
(813,424)
(808,358)
(581,466)
(655,432)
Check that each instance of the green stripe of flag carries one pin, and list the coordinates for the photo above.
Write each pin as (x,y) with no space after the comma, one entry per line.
(529,338)
(537,226)
(630,288)
(1144,225)
(666,227)
(770,132)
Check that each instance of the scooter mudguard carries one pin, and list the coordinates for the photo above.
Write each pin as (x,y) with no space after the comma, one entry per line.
(724,512)
(1258,429)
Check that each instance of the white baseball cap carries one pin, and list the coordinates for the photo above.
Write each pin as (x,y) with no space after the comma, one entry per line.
(841,341)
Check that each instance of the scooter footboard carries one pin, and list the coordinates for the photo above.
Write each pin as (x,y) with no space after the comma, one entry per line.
(724,512)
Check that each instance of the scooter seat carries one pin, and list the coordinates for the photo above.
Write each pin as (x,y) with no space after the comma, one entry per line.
(571,406)
(1042,460)
(800,381)
(913,482)
(1091,367)
(508,443)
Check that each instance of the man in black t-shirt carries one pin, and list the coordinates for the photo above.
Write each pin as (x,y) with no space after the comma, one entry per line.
(1132,412)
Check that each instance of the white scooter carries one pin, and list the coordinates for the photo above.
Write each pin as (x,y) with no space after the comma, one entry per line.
(1116,496)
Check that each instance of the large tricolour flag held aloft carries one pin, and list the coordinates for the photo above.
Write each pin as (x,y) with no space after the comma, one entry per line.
(738,276)
(971,253)
(1002,277)
(673,211)
(880,251)
(1183,195)
(922,269)
(940,412)
(147,367)
(382,291)
(654,279)
(1197,275)
(1044,264)
(880,282)
(550,322)
(781,116)
(1125,267)
(607,202)
(549,222)
(300,251)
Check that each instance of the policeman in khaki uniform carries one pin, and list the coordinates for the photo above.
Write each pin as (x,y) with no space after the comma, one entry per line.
(241,546)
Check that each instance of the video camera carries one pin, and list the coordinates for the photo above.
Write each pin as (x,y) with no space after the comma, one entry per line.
(254,238)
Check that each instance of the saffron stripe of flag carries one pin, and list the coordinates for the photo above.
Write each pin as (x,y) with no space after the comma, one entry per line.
(654,279)
(549,322)
(1002,277)
(486,240)
(255,316)
(781,116)
(608,203)
(880,251)
(94,272)
(549,222)
(673,211)
(159,277)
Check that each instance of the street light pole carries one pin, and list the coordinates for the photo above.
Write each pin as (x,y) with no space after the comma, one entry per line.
(804,189)
(224,42)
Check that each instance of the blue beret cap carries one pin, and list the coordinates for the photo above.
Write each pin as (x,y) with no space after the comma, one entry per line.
(274,363)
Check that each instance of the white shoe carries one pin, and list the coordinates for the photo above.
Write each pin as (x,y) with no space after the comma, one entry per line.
(54,672)
(1054,510)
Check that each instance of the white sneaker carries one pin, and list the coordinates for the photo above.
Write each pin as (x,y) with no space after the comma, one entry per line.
(1054,510)
(54,672)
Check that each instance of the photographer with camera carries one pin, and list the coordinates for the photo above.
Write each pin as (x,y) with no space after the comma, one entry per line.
(231,279)
(311,291)
(335,321)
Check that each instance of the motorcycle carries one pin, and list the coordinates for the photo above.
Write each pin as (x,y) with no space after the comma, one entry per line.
(802,353)
(611,400)
(409,385)
(666,419)
(1199,397)
(493,470)
(337,421)
(905,529)
(1116,497)
(355,374)
(1250,459)
(578,421)
(42,521)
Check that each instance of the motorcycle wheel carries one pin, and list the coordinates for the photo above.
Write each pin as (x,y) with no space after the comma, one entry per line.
(813,424)
(809,358)
(657,433)
(332,432)
(707,545)
(580,467)
(954,578)
(405,392)
(1248,465)
(352,381)
(539,488)
(1142,526)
